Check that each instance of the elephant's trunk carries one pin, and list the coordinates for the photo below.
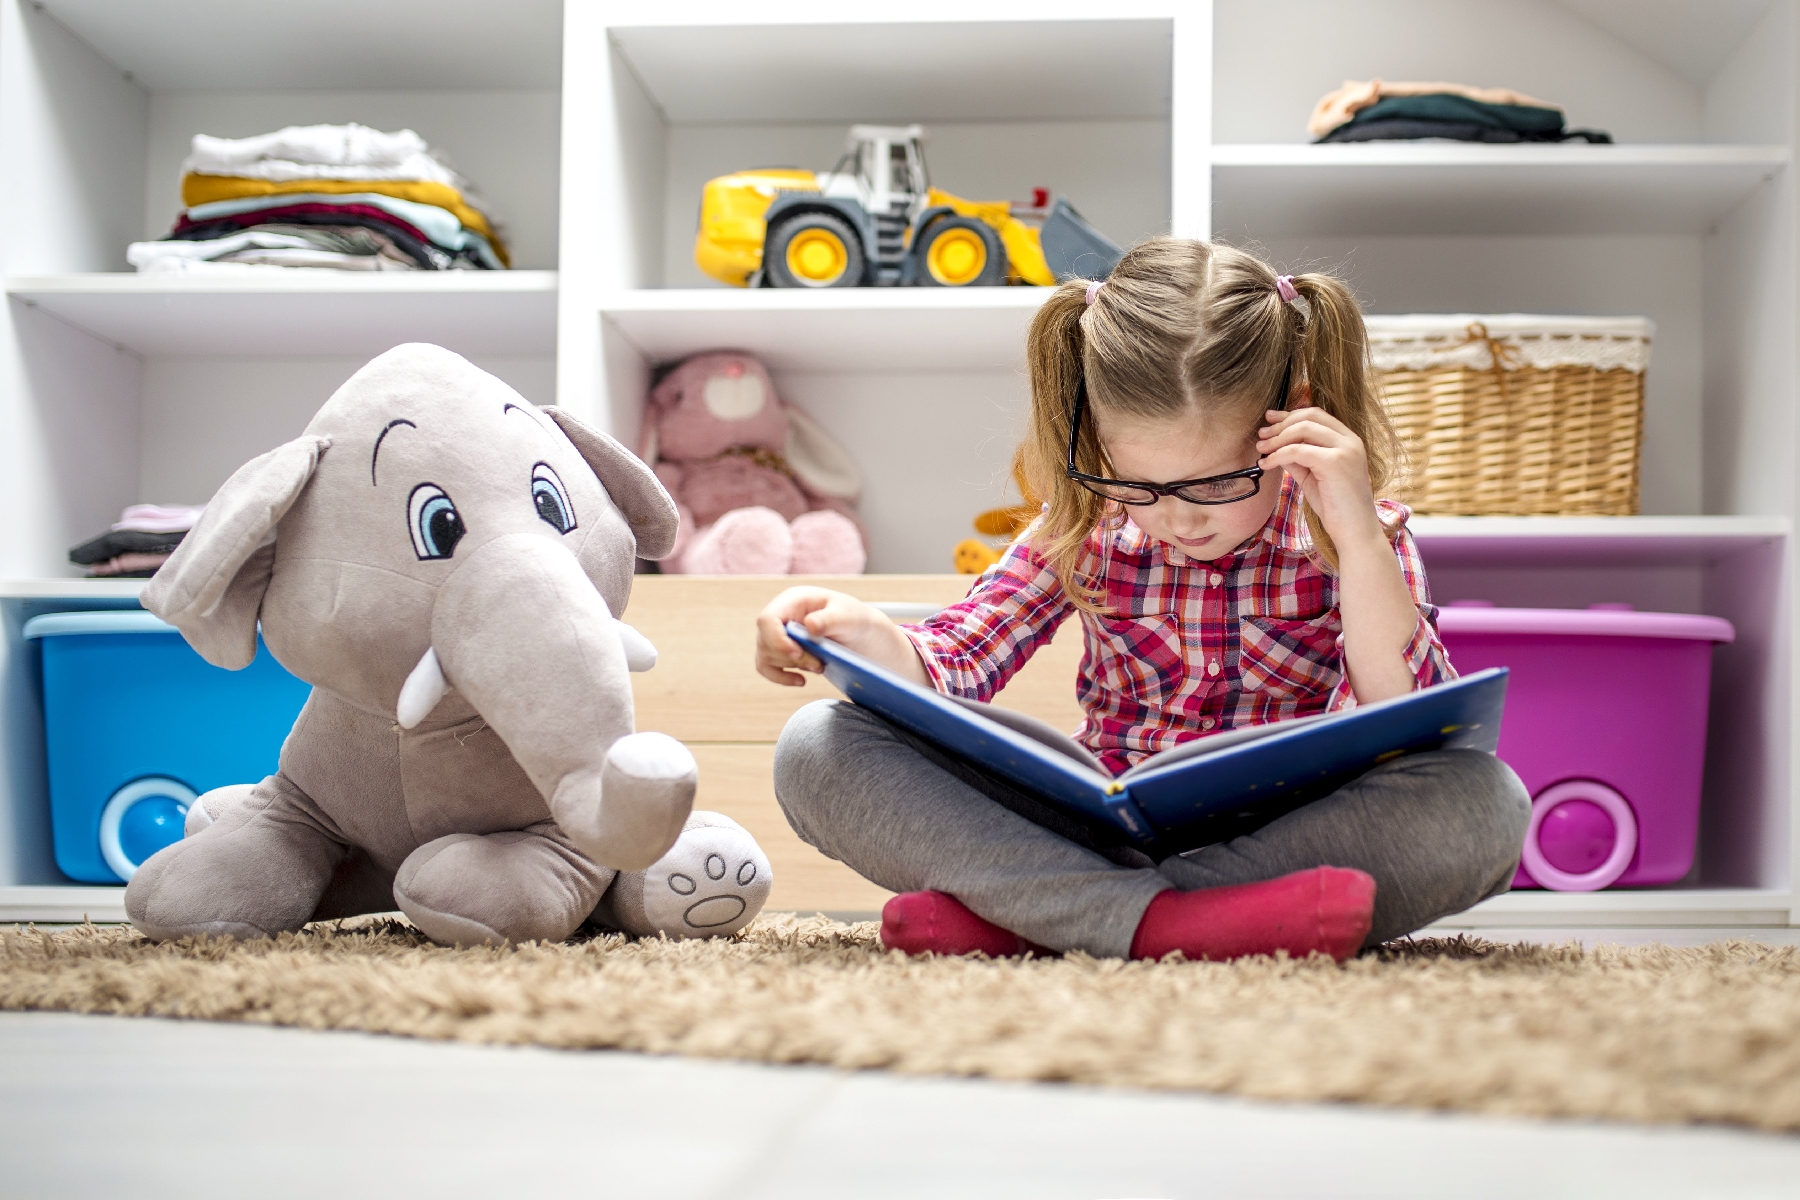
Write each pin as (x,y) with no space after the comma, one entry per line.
(521,632)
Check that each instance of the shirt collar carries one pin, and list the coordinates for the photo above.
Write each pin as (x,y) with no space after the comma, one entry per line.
(1286,529)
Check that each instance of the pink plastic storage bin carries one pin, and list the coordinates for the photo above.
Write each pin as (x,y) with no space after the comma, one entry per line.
(1606,724)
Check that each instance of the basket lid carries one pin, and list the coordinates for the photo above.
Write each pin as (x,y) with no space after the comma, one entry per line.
(114,620)
(1602,620)
(1422,341)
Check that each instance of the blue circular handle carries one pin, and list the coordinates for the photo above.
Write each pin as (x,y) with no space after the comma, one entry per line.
(141,818)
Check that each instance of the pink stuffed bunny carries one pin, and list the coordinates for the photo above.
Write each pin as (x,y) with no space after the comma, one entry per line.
(761,489)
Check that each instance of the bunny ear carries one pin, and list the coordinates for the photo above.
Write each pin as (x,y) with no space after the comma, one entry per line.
(820,462)
(212,586)
(634,487)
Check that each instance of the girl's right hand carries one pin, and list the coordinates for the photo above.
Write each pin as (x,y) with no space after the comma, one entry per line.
(843,619)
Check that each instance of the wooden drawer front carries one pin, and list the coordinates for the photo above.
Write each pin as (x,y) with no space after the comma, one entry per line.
(705,687)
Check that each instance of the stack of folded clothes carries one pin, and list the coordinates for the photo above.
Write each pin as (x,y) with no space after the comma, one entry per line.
(340,196)
(139,542)
(1377,111)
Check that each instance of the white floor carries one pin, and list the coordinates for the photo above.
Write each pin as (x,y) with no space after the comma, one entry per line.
(97,1106)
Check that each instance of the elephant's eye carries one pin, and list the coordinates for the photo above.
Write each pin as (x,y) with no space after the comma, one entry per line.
(432,519)
(551,499)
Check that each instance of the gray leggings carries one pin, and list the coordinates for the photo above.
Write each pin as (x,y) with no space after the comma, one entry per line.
(1438,832)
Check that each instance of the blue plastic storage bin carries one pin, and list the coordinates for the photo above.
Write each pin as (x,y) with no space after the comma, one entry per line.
(136,725)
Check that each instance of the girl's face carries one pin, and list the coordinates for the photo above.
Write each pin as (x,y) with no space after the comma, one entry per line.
(1188,447)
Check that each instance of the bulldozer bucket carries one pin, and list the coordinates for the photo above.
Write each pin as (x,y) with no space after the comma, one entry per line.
(1073,249)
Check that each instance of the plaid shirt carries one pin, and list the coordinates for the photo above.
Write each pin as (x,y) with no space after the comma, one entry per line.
(1186,647)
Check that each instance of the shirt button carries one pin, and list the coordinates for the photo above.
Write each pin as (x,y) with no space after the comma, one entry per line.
(1207,722)
(1212,668)
(1216,579)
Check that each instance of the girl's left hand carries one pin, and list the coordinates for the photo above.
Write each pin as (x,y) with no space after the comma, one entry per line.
(1329,464)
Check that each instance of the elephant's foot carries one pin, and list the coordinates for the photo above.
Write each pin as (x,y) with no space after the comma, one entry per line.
(644,794)
(210,806)
(527,885)
(256,871)
(712,883)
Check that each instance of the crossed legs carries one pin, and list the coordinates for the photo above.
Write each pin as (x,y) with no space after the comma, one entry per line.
(1436,832)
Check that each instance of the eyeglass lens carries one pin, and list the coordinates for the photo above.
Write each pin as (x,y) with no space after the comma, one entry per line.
(1212,491)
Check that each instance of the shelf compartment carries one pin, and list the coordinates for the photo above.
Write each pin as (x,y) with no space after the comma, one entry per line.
(1654,907)
(304,313)
(1652,541)
(782,70)
(1436,188)
(60,904)
(853,329)
(399,44)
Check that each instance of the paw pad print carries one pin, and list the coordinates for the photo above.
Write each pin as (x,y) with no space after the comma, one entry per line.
(719,905)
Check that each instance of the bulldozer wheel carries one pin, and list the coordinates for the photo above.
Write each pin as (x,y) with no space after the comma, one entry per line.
(814,250)
(961,252)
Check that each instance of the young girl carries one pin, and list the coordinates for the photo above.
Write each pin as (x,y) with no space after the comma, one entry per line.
(1211,444)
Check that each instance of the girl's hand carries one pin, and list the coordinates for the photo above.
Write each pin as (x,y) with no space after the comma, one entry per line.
(843,619)
(1374,603)
(1329,464)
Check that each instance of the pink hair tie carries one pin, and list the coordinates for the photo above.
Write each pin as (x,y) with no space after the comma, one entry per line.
(1284,287)
(1094,286)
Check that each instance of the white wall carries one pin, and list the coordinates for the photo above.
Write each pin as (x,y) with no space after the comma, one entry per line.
(1115,172)
(1657,277)
(505,143)
(206,417)
(959,430)
(1276,59)
(71,130)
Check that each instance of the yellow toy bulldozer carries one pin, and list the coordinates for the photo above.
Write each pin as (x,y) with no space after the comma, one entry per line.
(875,219)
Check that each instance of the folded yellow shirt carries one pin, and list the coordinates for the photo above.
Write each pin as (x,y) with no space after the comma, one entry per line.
(205,189)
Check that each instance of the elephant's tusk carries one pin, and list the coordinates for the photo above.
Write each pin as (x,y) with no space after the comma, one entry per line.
(640,655)
(421,691)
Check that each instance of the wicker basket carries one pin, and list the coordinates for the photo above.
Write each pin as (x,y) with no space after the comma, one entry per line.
(1519,415)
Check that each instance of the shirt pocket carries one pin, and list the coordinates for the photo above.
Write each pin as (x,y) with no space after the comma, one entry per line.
(1289,658)
(1139,658)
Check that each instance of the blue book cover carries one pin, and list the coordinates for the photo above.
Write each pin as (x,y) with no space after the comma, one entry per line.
(1190,794)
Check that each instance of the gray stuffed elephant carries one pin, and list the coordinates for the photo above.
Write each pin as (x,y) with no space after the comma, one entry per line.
(443,561)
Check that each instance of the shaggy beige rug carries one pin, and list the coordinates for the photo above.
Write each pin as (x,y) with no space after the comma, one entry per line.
(1652,1033)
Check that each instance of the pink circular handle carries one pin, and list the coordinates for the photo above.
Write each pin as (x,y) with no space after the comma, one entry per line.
(1625,836)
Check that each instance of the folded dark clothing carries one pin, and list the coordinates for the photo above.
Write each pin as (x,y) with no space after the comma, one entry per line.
(1401,129)
(128,566)
(1444,115)
(421,252)
(404,235)
(115,542)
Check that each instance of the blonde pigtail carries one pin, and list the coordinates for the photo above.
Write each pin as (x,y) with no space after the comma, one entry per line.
(1054,353)
(1334,354)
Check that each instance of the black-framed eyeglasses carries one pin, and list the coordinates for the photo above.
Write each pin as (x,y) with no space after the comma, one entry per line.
(1228,488)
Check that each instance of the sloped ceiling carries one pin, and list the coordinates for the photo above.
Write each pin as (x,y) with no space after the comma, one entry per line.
(1691,37)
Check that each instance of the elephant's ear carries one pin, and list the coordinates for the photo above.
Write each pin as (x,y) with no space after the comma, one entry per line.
(634,487)
(212,586)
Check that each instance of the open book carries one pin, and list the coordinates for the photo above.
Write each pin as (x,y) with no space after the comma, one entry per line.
(1182,797)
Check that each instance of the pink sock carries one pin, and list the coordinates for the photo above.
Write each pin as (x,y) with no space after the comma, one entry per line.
(939,923)
(1327,909)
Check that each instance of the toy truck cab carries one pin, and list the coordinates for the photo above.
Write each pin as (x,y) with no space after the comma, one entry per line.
(875,219)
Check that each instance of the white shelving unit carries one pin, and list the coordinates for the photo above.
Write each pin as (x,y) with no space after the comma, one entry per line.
(295,313)
(594,123)
(116,388)
(1419,188)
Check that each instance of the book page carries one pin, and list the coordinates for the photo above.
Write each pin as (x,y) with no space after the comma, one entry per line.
(1038,731)
(1202,746)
